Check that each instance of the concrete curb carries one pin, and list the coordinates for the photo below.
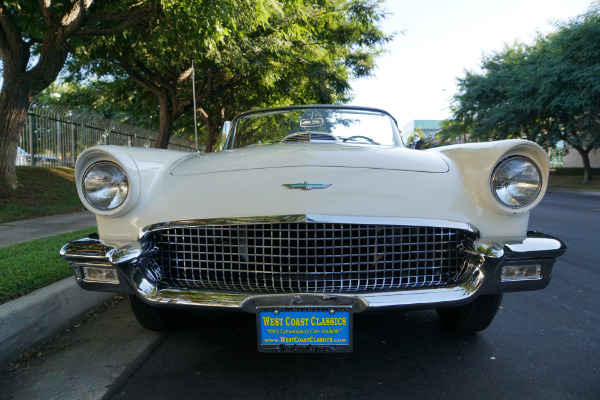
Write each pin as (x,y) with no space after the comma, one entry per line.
(30,319)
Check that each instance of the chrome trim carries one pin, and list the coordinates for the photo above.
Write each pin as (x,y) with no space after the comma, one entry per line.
(315,106)
(535,245)
(360,301)
(89,249)
(488,249)
(481,275)
(309,257)
(320,218)
(396,131)
(126,253)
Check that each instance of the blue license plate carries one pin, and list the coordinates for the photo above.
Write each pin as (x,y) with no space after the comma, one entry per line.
(304,329)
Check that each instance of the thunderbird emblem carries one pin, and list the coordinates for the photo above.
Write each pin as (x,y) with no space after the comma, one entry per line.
(307,186)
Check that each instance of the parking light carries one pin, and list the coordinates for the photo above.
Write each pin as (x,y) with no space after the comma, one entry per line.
(100,275)
(521,272)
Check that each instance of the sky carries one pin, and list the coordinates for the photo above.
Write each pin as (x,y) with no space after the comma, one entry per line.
(437,40)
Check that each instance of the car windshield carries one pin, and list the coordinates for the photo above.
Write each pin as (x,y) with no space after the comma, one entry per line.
(315,125)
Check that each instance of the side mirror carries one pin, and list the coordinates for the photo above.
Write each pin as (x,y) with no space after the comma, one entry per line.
(224,133)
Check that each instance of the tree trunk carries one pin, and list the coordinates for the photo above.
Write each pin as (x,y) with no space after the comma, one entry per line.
(214,127)
(13,114)
(21,84)
(19,87)
(587,168)
(211,139)
(165,126)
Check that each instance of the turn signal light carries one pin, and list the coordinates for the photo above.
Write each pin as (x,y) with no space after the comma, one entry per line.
(521,272)
(100,275)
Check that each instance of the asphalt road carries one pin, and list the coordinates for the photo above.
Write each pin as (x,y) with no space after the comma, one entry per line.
(542,344)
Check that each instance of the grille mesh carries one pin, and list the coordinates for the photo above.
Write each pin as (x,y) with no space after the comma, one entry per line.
(308,257)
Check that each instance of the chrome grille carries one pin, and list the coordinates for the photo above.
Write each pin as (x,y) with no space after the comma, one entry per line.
(308,257)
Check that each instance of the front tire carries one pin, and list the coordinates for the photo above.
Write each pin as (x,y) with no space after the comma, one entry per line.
(472,317)
(152,318)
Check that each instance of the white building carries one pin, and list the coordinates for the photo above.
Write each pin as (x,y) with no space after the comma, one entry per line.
(573,159)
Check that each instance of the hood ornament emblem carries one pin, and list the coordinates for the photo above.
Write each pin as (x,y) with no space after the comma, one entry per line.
(307,186)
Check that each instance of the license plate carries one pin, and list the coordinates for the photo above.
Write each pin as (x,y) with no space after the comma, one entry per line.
(304,329)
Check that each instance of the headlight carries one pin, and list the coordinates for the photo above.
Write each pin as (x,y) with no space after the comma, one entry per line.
(516,182)
(105,185)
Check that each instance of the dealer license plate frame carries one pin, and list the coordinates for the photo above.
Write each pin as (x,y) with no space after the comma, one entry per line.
(299,312)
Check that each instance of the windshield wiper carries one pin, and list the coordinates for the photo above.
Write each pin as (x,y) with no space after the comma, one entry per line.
(358,138)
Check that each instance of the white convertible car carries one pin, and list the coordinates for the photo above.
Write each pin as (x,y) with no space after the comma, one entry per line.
(308,215)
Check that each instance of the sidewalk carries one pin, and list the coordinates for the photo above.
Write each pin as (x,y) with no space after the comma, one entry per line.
(82,362)
(38,315)
(35,228)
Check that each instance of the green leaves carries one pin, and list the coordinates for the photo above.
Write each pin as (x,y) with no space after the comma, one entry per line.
(248,54)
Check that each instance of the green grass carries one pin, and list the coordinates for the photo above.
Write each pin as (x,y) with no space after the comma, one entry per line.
(28,266)
(573,182)
(45,191)
(573,171)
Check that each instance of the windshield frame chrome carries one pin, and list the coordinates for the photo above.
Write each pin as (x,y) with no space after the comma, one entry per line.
(396,133)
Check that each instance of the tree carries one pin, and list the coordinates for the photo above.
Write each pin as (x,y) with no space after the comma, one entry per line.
(547,92)
(570,84)
(496,104)
(35,41)
(247,54)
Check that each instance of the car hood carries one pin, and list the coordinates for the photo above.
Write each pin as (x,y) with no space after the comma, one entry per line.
(312,155)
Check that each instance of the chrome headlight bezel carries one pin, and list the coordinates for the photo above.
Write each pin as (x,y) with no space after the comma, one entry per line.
(526,174)
(118,186)
(123,160)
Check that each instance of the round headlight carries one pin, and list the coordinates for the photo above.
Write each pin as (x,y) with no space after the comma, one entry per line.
(105,185)
(516,182)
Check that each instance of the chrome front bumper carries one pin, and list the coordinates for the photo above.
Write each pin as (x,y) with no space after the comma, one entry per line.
(483,276)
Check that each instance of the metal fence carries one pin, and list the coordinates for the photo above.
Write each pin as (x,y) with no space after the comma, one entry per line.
(54,135)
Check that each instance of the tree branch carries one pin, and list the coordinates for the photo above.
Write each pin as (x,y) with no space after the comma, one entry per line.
(137,78)
(127,18)
(204,115)
(72,20)
(47,12)
(114,16)
(184,75)
(155,77)
(201,94)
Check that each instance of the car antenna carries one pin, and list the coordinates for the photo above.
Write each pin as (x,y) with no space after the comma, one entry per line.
(195,111)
